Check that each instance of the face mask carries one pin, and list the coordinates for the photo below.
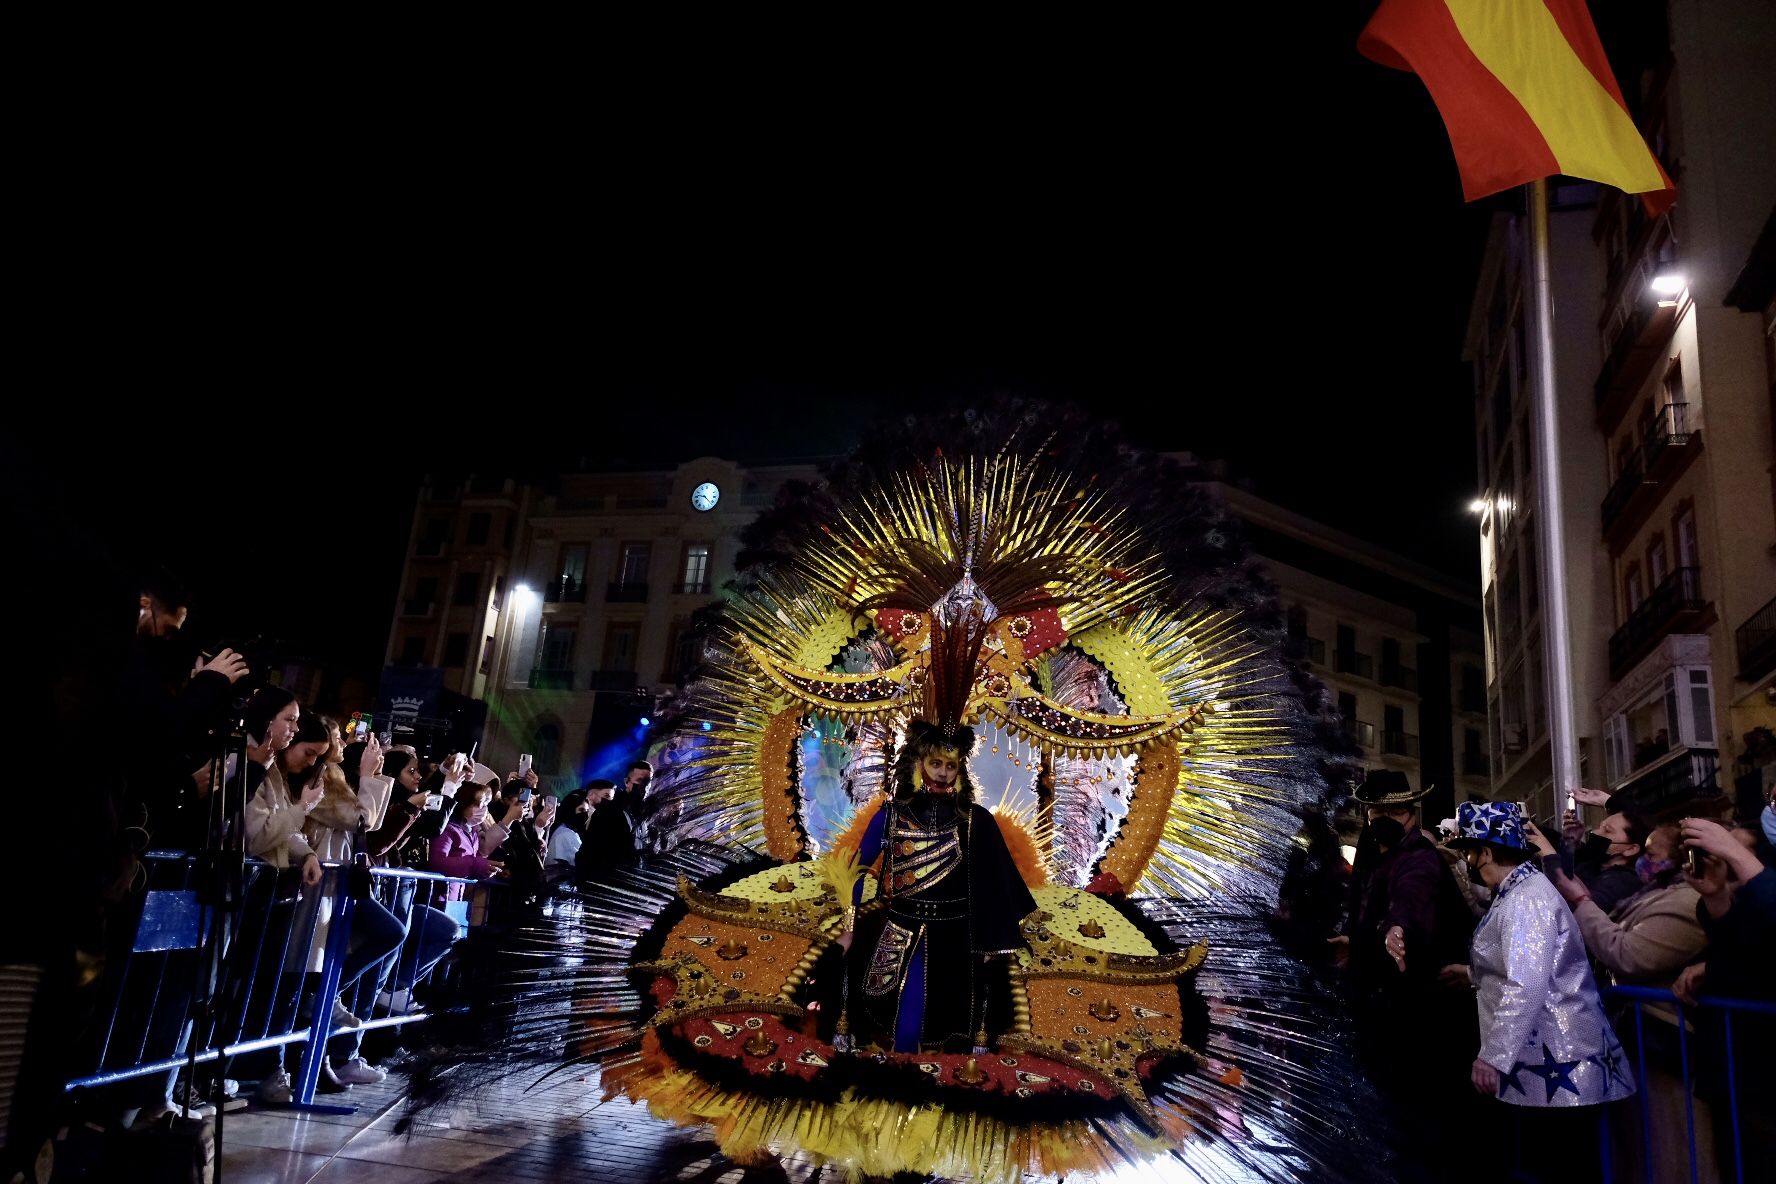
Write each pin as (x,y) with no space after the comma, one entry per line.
(1768,820)
(1474,874)
(1650,870)
(1593,849)
(1387,831)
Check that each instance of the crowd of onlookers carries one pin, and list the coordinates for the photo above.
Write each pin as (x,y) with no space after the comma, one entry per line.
(1444,939)
(209,756)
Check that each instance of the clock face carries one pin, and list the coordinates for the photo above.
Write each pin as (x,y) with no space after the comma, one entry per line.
(705,496)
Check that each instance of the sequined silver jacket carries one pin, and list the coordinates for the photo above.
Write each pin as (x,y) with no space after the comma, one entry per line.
(1542,1024)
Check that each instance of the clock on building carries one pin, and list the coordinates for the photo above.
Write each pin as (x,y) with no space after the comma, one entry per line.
(705,496)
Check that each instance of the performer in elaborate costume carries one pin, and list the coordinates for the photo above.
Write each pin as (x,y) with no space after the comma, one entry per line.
(1020,992)
(950,900)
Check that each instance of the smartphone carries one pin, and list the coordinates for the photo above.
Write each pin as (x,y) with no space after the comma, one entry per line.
(1572,804)
(523,763)
(434,801)
(524,794)
(1692,861)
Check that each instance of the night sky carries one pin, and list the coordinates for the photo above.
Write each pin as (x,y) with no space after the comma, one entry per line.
(1239,240)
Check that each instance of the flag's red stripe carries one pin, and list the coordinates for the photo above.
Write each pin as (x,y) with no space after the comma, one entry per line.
(1497,145)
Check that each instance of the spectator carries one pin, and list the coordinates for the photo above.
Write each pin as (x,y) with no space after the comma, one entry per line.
(457,851)
(566,836)
(1604,859)
(610,840)
(1547,1049)
(1738,912)
(1647,941)
(1653,934)
(1316,881)
(1407,921)
(171,711)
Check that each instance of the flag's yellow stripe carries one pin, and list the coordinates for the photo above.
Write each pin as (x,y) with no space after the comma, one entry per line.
(1586,130)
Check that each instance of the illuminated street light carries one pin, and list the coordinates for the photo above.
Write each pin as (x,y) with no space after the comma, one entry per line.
(1668,280)
(1477,506)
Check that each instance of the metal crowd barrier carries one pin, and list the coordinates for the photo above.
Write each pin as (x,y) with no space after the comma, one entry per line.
(257,988)
(1717,1042)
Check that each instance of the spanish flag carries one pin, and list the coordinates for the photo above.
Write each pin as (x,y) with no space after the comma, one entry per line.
(1524,89)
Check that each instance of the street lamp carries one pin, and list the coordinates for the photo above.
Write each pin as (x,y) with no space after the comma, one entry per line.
(1668,280)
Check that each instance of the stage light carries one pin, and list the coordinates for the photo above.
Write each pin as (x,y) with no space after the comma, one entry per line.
(644,721)
(1477,506)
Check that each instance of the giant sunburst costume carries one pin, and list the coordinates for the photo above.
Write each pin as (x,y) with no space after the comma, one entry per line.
(1024,584)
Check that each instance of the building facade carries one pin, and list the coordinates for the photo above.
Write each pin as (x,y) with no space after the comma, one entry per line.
(569,606)
(1396,643)
(1662,395)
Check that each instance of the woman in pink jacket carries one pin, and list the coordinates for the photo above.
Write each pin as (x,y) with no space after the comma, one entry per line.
(457,850)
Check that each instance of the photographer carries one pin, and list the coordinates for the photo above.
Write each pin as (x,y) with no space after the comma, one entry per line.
(173,711)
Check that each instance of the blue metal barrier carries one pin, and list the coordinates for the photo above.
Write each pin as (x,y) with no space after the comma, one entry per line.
(1706,1006)
(266,949)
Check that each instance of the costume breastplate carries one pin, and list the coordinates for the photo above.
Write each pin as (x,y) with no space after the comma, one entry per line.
(921,854)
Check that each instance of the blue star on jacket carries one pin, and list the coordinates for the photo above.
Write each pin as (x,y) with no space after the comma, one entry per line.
(1611,1064)
(1555,1075)
(1509,1080)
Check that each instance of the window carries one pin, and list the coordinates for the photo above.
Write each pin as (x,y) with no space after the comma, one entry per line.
(437,534)
(621,640)
(1657,565)
(1687,553)
(425,590)
(1631,587)
(1674,392)
(633,569)
(456,650)
(1473,689)
(682,652)
(545,748)
(412,651)
(487,654)
(480,522)
(558,646)
(572,569)
(696,568)
(1347,706)
(1701,708)
(468,589)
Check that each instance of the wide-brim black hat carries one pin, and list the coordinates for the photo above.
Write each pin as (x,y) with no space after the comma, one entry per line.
(1389,787)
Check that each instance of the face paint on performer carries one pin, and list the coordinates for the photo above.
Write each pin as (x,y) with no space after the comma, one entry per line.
(941,767)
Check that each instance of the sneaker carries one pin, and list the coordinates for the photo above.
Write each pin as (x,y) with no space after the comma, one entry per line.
(343,1018)
(276,1089)
(328,1082)
(399,1002)
(357,1072)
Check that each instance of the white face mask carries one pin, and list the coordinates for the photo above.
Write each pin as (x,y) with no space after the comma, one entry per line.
(1768,820)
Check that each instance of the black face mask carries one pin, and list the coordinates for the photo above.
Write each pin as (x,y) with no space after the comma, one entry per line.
(1474,875)
(1594,848)
(1387,831)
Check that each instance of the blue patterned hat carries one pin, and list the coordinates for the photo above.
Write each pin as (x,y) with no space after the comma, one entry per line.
(1499,824)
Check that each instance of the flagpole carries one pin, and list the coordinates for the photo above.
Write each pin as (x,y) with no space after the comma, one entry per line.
(1556,634)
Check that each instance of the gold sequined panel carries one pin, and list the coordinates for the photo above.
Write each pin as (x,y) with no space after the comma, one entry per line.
(1134,1015)
(1150,804)
(753,960)
(776,764)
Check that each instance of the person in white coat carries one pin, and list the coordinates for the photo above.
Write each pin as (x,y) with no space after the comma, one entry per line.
(1547,1050)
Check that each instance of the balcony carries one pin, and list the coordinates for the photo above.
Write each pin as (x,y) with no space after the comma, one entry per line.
(1362,733)
(1301,648)
(612,680)
(1476,764)
(691,588)
(621,593)
(1757,643)
(1400,744)
(1683,776)
(564,590)
(1351,662)
(1674,606)
(1670,445)
(544,679)
(418,608)
(1403,677)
